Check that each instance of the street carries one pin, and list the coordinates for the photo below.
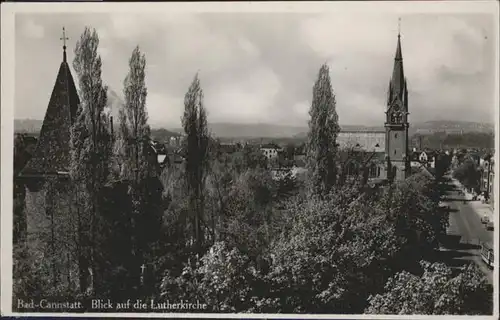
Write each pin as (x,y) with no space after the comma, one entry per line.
(466,222)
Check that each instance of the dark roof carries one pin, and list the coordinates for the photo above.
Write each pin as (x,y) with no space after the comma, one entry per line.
(364,156)
(398,77)
(270,146)
(363,140)
(52,150)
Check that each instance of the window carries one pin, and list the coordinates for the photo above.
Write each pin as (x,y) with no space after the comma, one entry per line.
(394,151)
(373,171)
(395,136)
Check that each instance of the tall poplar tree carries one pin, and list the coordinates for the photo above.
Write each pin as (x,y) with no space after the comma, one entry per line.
(138,163)
(322,136)
(134,130)
(90,152)
(194,122)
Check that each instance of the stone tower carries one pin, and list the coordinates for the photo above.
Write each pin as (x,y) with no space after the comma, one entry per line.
(396,124)
(49,219)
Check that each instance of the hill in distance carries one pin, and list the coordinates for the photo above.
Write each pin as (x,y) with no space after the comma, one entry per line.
(260,130)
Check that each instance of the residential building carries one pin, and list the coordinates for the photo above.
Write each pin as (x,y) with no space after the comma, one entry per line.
(270,150)
(488,177)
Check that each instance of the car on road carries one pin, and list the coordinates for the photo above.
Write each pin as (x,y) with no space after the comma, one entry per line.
(485,219)
(489,225)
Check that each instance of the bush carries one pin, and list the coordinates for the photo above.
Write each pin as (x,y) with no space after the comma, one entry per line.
(436,291)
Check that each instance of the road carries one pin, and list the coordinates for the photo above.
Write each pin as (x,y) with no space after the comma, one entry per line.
(464,220)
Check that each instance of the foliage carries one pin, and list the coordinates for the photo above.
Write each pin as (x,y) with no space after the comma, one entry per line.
(435,292)
(134,130)
(468,174)
(442,165)
(223,278)
(22,154)
(413,207)
(194,122)
(328,256)
(247,215)
(91,149)
(440,140)
(322,136)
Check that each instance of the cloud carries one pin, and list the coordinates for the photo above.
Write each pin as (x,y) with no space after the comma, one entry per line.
(163,109)
(248,100)
(32,30)
(261,67)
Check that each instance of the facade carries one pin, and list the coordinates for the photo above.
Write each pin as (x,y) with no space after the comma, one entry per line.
(488,177)
(423,158)
(270,151)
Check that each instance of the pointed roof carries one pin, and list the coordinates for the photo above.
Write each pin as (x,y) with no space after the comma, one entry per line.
(398,81)
(51,155)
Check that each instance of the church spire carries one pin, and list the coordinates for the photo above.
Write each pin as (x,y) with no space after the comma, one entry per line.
(399,55)
(398,77)
(64,38)
(52,151)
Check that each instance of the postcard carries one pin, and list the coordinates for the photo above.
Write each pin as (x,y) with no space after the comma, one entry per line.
(257,159)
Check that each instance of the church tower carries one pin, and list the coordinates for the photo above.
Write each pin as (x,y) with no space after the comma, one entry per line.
(50,220)
(396,124)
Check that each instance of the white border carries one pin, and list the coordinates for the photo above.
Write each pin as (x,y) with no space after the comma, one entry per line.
(7,102)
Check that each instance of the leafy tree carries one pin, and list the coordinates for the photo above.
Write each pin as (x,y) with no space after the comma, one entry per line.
(134,130)
(91,150)
(412,206)
(115,259)
(437,291)
(21,157)
(253,158)
(245,223)
(329,255)
(440,140)
(442,165)
(223,278)
(138,166)
(468,174)
(322,136)
(194,122)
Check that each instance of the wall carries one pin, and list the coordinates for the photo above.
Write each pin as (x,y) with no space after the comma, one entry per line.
(51,235)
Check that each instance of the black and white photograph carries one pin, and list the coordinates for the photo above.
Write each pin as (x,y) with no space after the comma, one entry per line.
(250,159)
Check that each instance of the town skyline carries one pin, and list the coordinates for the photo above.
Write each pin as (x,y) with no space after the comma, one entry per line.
(250,60)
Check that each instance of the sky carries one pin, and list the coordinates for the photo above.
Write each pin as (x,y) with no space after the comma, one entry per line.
(261,67)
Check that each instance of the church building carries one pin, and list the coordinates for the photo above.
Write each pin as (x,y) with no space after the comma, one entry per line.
(386,151)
